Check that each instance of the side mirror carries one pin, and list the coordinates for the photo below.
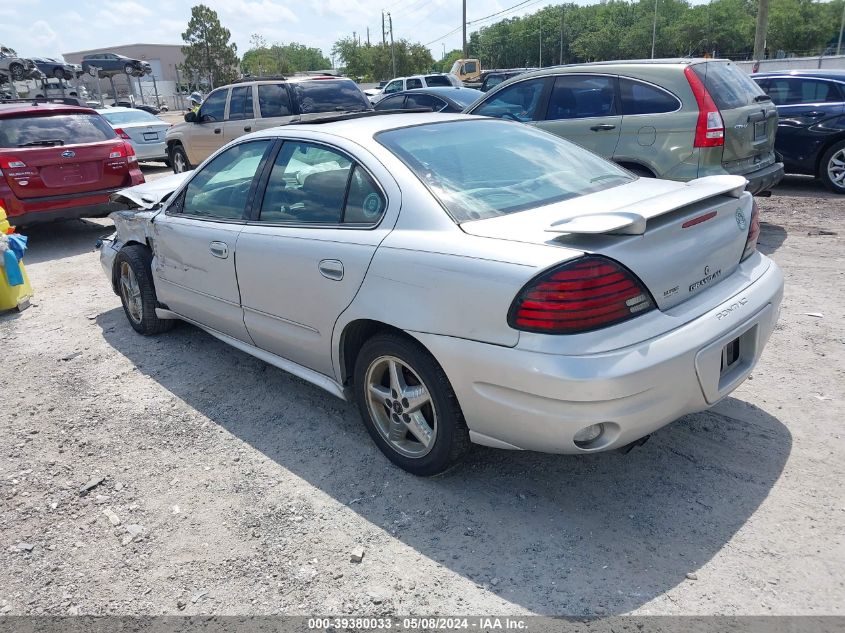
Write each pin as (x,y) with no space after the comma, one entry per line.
(190,117)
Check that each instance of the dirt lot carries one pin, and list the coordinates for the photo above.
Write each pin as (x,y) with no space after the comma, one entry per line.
(229,487)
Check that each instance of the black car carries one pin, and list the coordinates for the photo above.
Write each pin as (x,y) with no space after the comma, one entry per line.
(55,68)
(493,78)
(811,126)
(436,99)
(112,63)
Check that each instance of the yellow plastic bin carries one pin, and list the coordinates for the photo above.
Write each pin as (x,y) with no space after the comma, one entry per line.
(12,297)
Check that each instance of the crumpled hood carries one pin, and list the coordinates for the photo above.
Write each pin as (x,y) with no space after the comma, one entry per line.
(150,194)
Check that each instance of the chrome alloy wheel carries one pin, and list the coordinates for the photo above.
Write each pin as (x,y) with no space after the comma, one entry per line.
(401,407)
(131,292)
(179,165)
(836,168)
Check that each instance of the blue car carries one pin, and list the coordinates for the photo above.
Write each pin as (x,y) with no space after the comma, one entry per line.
(811,126)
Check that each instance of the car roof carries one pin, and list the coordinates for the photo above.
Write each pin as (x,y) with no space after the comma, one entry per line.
(362,128)
(838,75)
(440,91)
(13,109)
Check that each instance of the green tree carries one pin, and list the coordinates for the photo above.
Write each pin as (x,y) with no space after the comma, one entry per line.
(281,59)
(375,62)
(207,49)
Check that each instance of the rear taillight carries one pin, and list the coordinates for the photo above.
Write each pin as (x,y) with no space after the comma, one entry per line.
(753,232)
(710,128)
(124,150)
(9,162)
(122,134)
(586,294)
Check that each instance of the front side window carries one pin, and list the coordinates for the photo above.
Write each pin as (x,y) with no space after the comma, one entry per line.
(393,86)
(815,91)
(214,106)
(518,101)
(532,168)
(220,190)
(313,184)
(642,98)
(413,84)
(582,97)
(240,105)
(273,100)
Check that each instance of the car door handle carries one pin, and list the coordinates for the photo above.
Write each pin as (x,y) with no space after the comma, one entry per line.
(602,127)
(247,128)
(219,249)
(217,130)
(331,269)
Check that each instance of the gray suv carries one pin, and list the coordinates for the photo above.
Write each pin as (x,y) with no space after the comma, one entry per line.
(677,119)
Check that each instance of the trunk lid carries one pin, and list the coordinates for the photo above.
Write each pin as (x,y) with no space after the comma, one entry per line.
(678,238)
(143,133)
(44,154)
(750,118)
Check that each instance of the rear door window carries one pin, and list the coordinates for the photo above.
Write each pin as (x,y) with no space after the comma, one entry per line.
(240,105)
(214,106)
(273,100)
(642,98)
(437,80)
(413,84)
(519,101)
(327,95)
(582,96)
(424,101)
(48,131)
(391,103)
(729,86)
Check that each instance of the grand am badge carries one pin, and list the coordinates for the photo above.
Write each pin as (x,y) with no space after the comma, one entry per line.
(740,220)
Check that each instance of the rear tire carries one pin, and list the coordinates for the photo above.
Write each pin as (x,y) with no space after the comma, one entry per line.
(135,286)
(179,159)
(403,395)
(17,71)
(129,69)
(832,168)
(59,73)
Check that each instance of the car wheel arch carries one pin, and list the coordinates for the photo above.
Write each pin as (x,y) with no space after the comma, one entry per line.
(114,271)
(830,142)
(352,339)
(638,168)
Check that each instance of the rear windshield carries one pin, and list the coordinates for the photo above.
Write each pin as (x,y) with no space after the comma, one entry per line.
(531,168)
(138,116)
(727,84)
(59,129)
(325,95)
(437,80)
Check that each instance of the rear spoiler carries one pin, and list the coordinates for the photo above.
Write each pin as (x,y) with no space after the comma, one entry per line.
(631,220)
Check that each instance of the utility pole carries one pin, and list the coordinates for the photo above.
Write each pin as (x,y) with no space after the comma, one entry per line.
(541,47)
(562,13)
(383,37)
(444,50)
(392,54)
(464,25)
(654,30)
(368,37)
(762,28)
(841,28)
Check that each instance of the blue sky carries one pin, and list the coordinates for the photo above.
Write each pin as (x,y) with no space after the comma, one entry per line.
(51,27)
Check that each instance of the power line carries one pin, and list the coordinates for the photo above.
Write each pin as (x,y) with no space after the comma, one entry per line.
(523,4)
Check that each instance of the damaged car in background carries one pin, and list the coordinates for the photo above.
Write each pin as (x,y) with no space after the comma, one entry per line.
(347,252)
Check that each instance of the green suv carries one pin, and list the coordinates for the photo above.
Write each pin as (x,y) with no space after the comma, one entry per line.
(677,119)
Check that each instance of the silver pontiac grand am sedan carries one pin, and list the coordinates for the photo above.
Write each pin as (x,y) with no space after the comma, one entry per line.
(462,279)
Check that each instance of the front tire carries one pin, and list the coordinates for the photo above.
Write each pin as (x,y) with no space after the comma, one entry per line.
(59,73)
(408,405)
(179,159)
(135,286)
(129,69)
(832,168)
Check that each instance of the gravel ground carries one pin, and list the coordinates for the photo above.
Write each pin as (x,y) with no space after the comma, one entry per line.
(219,484)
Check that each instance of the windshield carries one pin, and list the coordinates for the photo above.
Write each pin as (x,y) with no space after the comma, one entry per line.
(137,116)
(463,96)
(47,130)
(326,95)
(480,169)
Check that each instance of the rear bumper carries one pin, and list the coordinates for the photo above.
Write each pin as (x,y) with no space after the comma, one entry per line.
(150,151)
(764,179)
(523,399)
